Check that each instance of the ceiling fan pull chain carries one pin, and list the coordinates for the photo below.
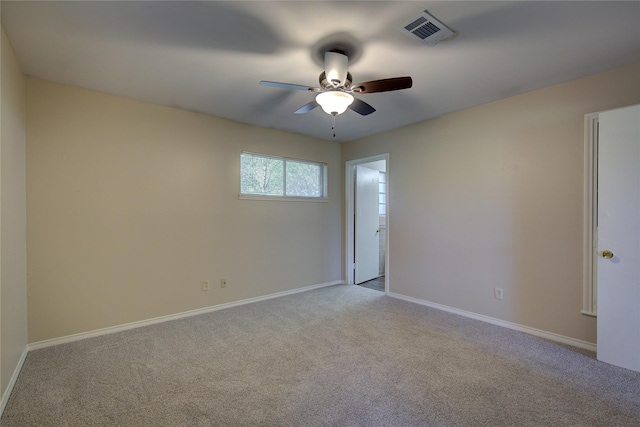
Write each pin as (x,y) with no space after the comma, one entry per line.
(333,124)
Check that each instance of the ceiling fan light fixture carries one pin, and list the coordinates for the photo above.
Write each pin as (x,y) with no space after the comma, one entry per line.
(334,102)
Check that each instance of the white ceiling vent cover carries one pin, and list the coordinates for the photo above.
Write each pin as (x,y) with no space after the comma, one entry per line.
(427,29)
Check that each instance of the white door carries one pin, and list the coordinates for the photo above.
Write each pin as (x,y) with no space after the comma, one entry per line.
(619,237)
(367,224)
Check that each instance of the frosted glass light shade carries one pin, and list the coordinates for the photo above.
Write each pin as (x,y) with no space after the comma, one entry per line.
(334,102)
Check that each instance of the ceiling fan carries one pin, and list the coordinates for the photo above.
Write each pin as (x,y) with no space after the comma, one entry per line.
(336,91)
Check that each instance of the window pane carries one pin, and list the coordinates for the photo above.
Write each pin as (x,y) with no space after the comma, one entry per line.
(261,175)
(265,175)
(304,179)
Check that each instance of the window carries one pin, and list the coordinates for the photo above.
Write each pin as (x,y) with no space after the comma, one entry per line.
(382,194)
(270,176)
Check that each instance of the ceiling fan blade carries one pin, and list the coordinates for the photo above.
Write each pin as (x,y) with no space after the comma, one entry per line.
(361,107)
(307,107)
(384,85)
(286,86)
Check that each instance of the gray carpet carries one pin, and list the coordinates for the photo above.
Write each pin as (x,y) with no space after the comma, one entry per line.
(337,356)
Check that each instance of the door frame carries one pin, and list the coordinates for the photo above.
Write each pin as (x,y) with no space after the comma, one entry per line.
(350,170)
(590,223)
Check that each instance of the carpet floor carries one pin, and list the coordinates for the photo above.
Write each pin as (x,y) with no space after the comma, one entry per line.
(336,356)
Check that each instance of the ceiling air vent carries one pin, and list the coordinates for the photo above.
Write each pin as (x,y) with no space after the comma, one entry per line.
(427,29)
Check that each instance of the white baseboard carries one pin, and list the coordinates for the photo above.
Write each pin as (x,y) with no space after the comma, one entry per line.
(12,381)
(168,318)
(526,329)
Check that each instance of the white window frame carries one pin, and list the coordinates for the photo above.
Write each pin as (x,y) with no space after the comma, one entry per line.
(383,174)
(323,177)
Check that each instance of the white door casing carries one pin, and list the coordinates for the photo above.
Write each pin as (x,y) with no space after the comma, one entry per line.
(618,231)
(367,224)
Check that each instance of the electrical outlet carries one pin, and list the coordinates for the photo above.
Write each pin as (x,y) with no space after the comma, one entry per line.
(223,283)
(498,293)
(205,285)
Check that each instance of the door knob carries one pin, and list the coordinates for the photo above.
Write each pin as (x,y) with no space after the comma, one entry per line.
(607,254)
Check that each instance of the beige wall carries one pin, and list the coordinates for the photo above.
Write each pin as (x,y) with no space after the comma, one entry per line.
(493,197)
(131,205)
(13,252)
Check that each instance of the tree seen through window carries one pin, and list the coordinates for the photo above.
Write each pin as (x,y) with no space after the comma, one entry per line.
(276,176)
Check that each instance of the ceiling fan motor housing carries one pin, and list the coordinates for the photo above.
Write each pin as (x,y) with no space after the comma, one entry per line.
(335,67)
(325,84)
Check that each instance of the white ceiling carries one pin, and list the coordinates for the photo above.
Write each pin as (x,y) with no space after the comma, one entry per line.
(208,57)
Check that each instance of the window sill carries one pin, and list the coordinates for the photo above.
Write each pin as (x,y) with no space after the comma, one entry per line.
(282,198)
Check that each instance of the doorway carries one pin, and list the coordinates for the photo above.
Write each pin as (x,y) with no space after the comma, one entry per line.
(367,236)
